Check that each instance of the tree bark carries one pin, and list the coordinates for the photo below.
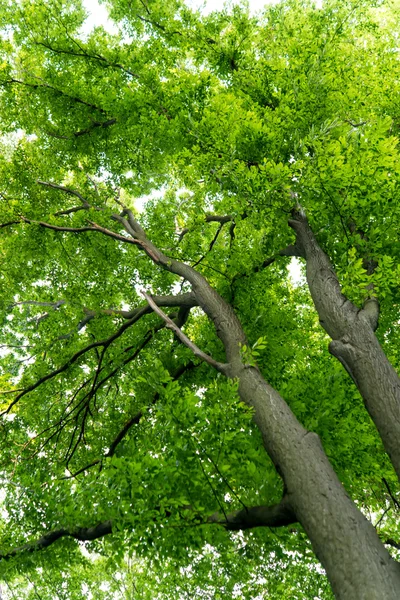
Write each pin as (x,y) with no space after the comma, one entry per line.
(354,342)
(356,561)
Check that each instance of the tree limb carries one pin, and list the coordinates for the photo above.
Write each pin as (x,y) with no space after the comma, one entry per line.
(186,300)
(393,497)
(222,219)
(83,54)
(354,342)
(82,534)
(62,188)
(184,339)
(45,85)
(390,542)
(278,515)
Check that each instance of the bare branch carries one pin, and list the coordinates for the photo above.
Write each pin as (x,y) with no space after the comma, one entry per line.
(184,339)
(62,188)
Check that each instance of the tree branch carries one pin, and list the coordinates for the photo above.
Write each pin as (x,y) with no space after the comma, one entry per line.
(333,308)
(94,227)
(390,542)
(222,219)
(9,224)
(278,515)
(392,496)
(354,342)
(55,186)
(83,54)
(186,300)
(45,85)
(82,534)
(184,339)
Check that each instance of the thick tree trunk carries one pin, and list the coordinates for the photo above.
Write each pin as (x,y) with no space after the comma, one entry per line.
(354,343)
(357,563)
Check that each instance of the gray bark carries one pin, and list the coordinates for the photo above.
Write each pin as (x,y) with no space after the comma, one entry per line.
(357,564)
(356,561)
(354,342)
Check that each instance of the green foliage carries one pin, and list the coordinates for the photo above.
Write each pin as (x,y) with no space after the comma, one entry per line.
(180,115)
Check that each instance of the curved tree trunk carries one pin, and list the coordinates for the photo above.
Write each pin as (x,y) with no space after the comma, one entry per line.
(354,342)
(357,563)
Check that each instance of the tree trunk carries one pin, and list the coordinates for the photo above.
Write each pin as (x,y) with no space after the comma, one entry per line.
(357,564)
(354,342)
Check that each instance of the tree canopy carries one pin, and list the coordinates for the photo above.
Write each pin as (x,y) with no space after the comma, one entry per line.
(161,366)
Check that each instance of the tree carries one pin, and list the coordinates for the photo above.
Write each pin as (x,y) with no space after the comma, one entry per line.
(164,382)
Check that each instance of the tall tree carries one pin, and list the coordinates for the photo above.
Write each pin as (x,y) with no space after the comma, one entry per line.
(165,384)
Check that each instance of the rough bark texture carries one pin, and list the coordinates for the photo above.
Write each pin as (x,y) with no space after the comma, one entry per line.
(354,343)
(357,563)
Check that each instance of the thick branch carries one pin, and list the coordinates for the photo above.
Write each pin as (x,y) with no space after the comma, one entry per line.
(277,515)
(334,310)
(82,534)
(354,343)
(184,339)
(188,300)
(94,227)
